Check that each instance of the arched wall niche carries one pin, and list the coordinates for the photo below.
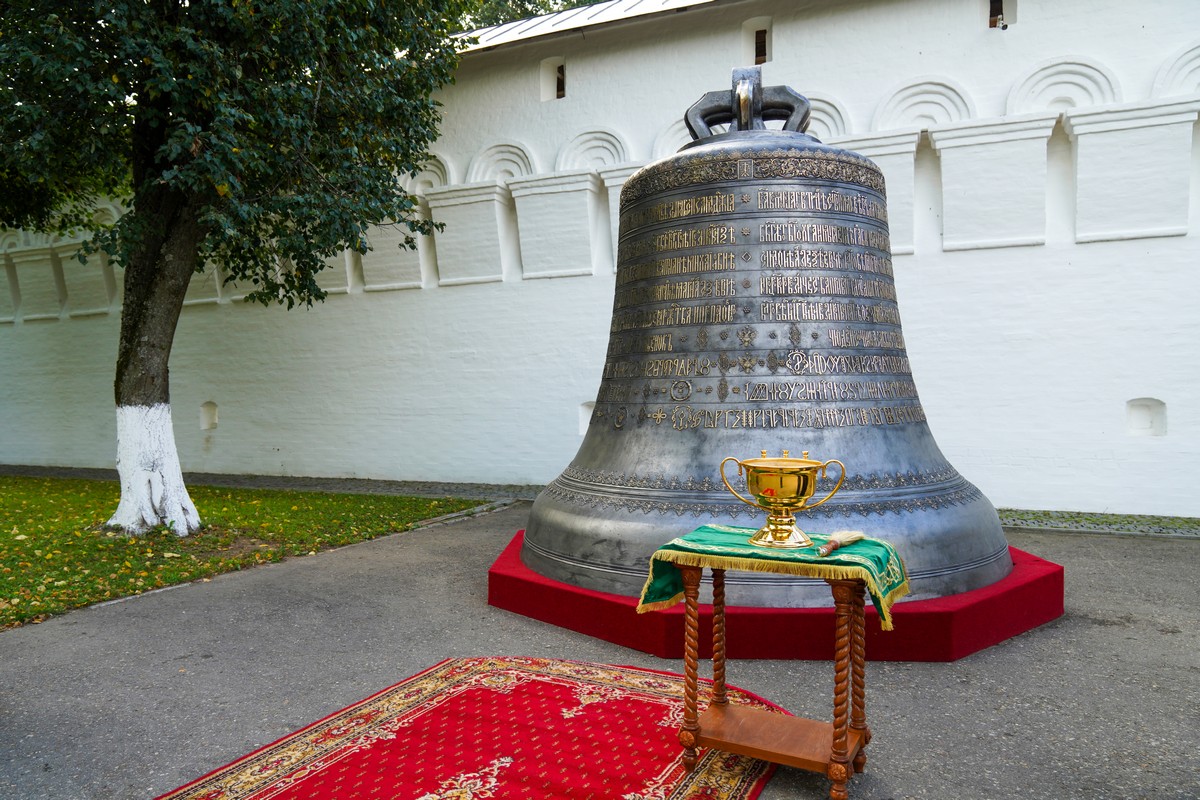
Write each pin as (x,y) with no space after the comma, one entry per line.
(1063,84)
(828,120)
(595,149)
(434,175)
(1179,74)
(11,240)
(500,162)
(670,139)
(108,213)
(924,103)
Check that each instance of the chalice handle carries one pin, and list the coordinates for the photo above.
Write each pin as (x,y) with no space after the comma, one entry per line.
(735,491)
(833,491)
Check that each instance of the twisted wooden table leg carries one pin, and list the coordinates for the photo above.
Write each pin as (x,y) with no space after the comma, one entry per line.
(858,661)
(718,694)
(839,770)
(691,648)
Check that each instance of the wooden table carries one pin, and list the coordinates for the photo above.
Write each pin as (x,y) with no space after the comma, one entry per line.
(852,569)
(836,749)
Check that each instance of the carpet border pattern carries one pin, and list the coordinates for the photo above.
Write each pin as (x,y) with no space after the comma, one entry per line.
(270,770)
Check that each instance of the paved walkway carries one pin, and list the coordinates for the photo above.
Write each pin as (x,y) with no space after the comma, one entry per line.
(127,700)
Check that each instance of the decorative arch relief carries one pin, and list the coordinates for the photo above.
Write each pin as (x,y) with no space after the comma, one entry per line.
(11,240)
(923,104)
(1179,74)
(670,139)
(828,119)
(596,149)
(1064,84)
(499,163)
(434,175)
(107,213)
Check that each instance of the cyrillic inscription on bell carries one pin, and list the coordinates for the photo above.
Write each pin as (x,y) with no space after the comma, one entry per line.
(755,309)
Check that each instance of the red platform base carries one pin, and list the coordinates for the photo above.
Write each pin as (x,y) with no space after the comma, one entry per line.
(941,629)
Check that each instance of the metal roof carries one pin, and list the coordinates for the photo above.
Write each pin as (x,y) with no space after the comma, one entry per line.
(573,19)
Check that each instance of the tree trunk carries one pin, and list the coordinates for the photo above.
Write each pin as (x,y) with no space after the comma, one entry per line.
(156,280)
(152,490)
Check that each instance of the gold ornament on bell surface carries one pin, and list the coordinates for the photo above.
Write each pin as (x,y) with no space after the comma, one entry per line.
(783,486)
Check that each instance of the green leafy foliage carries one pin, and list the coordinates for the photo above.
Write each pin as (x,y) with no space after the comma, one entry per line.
(288,123)
(55,554)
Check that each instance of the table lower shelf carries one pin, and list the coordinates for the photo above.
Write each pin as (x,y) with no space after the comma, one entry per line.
(793,741)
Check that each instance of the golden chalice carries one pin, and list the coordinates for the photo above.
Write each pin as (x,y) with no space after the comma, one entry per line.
(782,487)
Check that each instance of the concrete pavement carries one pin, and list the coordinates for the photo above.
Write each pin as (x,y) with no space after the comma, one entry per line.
(130,699)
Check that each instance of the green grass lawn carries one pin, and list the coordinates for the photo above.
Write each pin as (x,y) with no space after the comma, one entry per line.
(55,554)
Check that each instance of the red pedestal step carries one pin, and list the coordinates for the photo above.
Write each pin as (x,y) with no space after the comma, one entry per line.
(941,629)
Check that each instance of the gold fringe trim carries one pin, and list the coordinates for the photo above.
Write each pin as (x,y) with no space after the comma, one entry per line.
(897,593)
(659,605)
(804,569)
(885,616)
(644,607)
(830,571)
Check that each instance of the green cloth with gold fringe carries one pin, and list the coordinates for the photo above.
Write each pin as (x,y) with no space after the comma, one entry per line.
(873,561)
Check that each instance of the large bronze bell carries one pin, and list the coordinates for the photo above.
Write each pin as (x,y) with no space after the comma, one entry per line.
(755,310)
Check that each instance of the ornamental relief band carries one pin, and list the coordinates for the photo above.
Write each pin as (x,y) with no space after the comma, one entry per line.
(634,247)
(822,233)
(686,417)
(837,200)
(802,258)
(724,260)
(684,171)
(788,391)
(692,289)
(816,200)
(676,315)
(837,337)
(826,285)
(679,265)
(832,311)
(798,362)
(580,477)
(676,239)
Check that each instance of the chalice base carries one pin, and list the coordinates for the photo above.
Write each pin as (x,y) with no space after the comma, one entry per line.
(781,532)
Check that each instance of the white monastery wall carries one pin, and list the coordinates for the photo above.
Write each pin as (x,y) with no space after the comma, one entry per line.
(1044,194)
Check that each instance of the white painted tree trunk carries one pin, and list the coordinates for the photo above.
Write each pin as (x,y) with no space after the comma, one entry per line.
(152,490)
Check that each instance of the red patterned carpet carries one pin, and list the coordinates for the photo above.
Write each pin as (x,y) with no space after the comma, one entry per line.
(496,729)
